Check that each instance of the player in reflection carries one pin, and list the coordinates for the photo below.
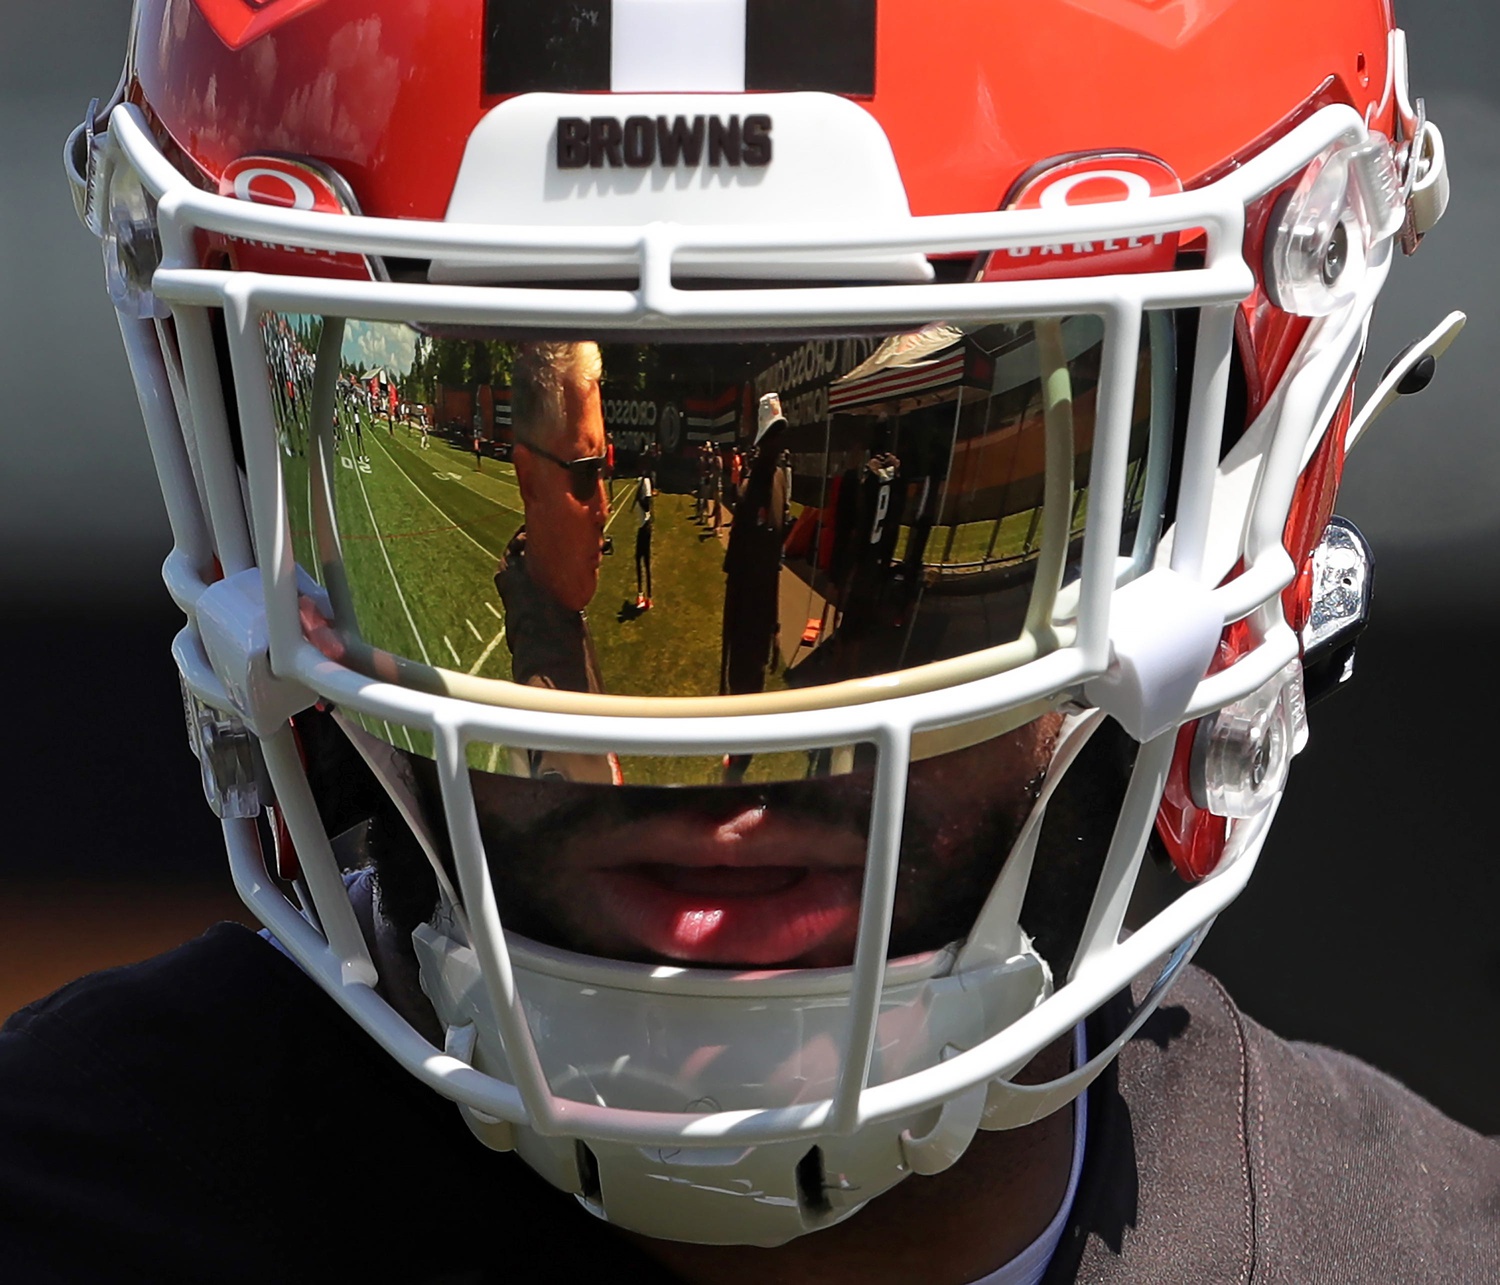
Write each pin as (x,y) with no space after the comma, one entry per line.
(752,568)
(550,571)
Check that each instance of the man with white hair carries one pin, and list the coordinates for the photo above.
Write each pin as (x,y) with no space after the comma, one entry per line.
(550,570)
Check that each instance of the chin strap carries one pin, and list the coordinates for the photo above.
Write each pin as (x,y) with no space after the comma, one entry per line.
(1011,1106)
(1409,374)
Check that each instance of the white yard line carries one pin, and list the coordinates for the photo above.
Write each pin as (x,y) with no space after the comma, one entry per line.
(635,486)
(390,736)
(448,517)
(494,642)
(400,597)
(488,652)
(465,480)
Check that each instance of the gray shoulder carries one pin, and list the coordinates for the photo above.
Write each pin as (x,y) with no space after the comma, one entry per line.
(1225,1155)
(1357,1178)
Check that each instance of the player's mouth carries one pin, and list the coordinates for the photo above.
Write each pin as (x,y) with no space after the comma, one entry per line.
(752,890)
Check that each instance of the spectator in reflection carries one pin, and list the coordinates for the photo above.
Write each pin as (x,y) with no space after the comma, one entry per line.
(752,570)
(716,487)
(644,499)
(550,571)
(700,496)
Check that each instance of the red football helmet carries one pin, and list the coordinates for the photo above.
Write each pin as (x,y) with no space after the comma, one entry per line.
(977,380)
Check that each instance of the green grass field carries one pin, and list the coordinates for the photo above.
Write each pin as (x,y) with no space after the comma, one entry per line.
(422,532)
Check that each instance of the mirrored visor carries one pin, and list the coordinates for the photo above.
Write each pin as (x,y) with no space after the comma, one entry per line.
(642,519)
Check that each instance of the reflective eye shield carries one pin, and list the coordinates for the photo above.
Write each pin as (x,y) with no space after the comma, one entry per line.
(925,499)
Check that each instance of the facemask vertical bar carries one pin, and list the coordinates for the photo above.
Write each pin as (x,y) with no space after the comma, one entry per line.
(989,417)
(273,536)
(315,855)
(164,435)
(1127,845)
(1313,398)
(1057,496)
(1110,456)
(996,935)
(1200,459)
(221,482)
(486,932)
(166,342)
(916,607)
(1159,443)
(877,901)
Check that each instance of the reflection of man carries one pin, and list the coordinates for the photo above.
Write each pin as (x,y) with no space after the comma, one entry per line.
(716,487)
(700,486)
(550,570)
(867,519)
(644,499)
(752,568)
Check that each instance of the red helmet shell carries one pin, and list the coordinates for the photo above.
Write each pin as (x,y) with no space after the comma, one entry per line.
(971,93)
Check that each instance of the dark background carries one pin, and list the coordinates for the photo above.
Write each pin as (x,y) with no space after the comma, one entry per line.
(1372,922)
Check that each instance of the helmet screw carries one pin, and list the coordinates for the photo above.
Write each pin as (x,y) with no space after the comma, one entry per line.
(1336,255)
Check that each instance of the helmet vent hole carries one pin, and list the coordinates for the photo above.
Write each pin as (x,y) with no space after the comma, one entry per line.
(812,1190)
(588,1174)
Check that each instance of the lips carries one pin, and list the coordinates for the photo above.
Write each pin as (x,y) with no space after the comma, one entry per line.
(806,917)
(745,892)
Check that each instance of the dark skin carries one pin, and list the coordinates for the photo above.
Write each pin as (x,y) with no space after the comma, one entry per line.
(947,1229)
(554,876)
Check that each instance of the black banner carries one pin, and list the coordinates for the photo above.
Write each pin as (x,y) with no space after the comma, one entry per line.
(565,46)
(537,45)
(810,44)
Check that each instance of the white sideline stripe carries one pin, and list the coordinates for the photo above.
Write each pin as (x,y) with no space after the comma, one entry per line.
(620,508)
(478,637)
(452,650)
(466,480)
(446,515)
(380,543)
(487,653)
(665,45)
(494,611)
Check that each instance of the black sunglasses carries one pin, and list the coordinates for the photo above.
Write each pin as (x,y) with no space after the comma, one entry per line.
(584,474)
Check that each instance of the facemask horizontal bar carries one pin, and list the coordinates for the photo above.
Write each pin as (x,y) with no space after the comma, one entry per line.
(664,309)
(1218,208)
